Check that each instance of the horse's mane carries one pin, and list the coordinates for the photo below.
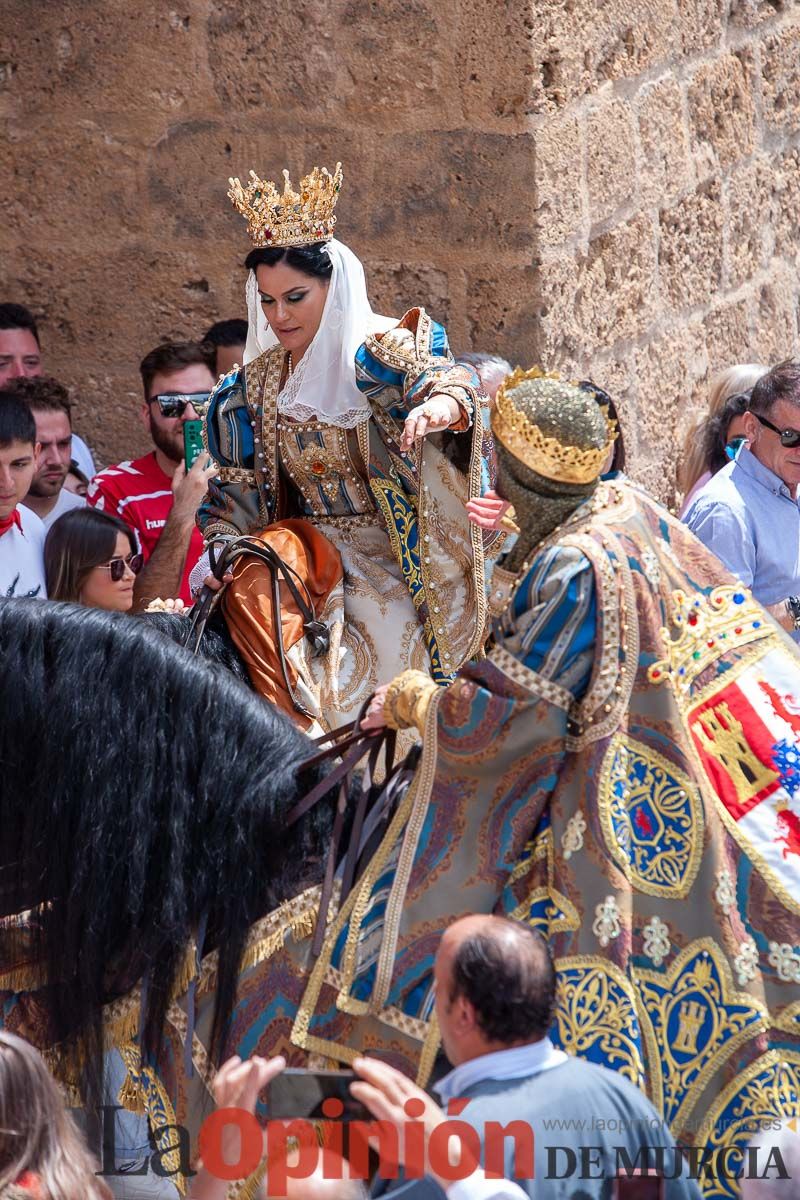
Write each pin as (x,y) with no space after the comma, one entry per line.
(141,790)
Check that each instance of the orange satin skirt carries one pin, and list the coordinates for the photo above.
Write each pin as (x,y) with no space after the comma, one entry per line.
(248,610)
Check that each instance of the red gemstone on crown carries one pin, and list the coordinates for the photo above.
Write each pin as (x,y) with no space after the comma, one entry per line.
(692,618)
(317,468)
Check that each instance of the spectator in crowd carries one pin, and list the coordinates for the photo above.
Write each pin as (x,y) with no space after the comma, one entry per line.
(494,996)
(20,356)
(701,458)
(22,534)
(747,513)
(92,558)
(49,402)
(154,494)
(491,369)
(76,482)
(228,339)
(42,1154)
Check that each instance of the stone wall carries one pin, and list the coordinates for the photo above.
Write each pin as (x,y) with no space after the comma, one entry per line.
(609,187)
(667,201)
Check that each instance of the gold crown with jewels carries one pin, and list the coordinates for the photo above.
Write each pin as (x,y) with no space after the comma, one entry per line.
(547,456)
(705,626)
(288,218)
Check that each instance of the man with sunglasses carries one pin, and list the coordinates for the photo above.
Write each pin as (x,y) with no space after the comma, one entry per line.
(748,513)
(155,494)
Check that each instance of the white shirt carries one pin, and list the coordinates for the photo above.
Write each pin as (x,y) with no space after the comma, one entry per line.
(22,558)
(83,456)
(66,501)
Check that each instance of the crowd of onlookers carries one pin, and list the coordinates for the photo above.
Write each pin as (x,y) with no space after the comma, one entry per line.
(125,535)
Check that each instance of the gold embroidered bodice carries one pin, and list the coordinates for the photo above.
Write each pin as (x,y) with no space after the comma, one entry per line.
(324,469)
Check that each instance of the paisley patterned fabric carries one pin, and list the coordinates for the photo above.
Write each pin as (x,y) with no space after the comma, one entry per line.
(656,768)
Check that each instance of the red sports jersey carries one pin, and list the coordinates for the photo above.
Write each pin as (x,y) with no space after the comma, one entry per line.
(141,494)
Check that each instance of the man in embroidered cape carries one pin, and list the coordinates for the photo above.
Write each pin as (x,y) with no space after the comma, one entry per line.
(642,713)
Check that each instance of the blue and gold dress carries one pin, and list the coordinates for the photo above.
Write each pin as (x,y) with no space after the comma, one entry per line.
(412,592)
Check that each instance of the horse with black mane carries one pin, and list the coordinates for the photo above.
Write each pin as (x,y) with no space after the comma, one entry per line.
(154,897)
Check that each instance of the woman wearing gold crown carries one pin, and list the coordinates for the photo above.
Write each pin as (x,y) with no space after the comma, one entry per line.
(329,442)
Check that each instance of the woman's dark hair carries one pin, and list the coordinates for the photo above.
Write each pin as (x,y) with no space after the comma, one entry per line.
(311,260)
(605,401)
(77,542)
(715,433)
(157,806)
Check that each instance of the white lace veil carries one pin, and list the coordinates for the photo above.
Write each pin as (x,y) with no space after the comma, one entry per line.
(323,385)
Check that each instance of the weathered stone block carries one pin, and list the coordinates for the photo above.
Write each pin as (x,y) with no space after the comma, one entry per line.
(774,317)
(702,23)
(750,13)
(781,79)
(611,164)
(395,287)
(751,204)
(671,374)
(722,114)
(447,190)
(560,206)
(616,296)
(560,336)
(579,46)
(501,312)
(355,57)
(727,334)
(666,170)
(489,34)
(786,211)
(690,250)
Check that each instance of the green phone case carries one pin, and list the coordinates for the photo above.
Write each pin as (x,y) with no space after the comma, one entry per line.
(192,442)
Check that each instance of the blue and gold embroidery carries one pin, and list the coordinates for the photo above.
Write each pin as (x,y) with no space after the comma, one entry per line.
(153,1098)
(596,1015)
(652,819)
(693,1020)
(768,1090)
(545,908)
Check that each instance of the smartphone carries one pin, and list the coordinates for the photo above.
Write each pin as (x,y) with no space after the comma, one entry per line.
(192,442)
(298,1092)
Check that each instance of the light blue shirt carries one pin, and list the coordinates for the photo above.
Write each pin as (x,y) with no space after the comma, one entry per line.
(745,515)
(516,1062)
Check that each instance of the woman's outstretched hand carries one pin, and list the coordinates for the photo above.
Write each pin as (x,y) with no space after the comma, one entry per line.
(491,512)
(435,415)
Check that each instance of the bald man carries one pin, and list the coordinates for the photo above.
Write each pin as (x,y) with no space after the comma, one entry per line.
(495,993)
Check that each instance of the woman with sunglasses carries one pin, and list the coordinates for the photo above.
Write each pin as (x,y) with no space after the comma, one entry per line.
(92,558)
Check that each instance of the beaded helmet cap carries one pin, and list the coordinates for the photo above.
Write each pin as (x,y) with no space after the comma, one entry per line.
(550,446)
(547,432)
(288,218)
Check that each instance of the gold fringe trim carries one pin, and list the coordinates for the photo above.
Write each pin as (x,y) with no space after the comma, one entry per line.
(131,1097)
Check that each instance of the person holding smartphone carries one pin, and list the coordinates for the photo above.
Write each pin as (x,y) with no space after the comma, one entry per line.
(156,495)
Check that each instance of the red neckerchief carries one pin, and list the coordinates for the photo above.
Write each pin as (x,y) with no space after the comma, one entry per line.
(7,522)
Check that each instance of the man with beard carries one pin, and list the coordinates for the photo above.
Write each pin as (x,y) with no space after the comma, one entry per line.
(154,494)
(49,402)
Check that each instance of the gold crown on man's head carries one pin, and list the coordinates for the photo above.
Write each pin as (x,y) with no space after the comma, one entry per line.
(547,456)
(289,218)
